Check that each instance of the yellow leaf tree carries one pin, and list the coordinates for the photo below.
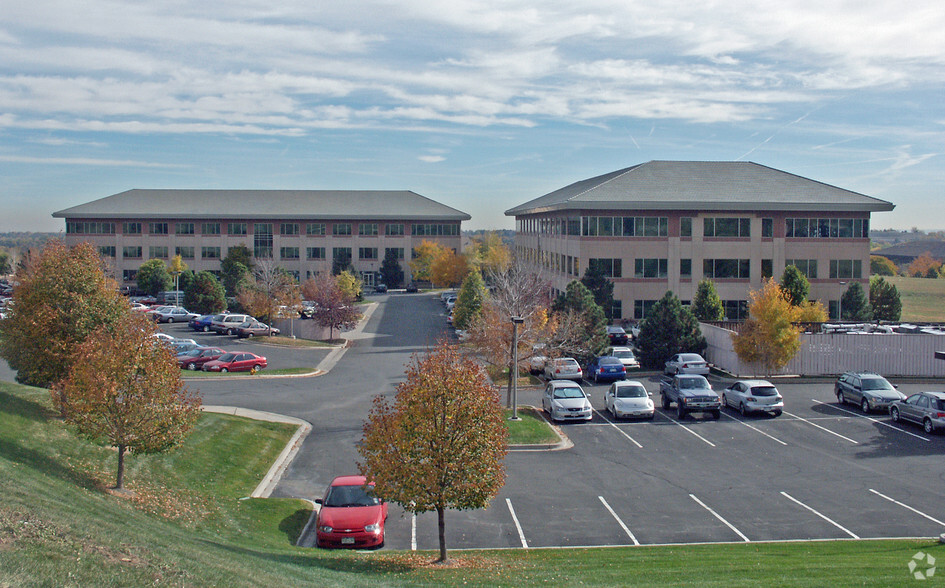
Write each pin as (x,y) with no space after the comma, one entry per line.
(448,269)
(424,255)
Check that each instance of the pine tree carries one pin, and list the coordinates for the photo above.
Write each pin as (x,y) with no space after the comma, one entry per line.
(669,329)
(707,306)
(795,284)
(885,300)
(469,302)
(855,306)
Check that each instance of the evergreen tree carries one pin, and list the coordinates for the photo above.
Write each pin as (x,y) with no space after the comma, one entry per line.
(855,306)
(153,277)
(885,300)
(205,295)
(236,269)
(341,262)
(668,329)
(795,285)
(601,287)
(469,301)
(707,306)
(578,302)
(392,274)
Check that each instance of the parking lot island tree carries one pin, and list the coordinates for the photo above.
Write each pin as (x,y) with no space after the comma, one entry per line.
(236,268)
(153,277)
(582,323)
(469,301)
(855,304)
(795,284)
(392,274)
(600,286)
(272,288)
(440,443)
(668,329)
(706,304)
(333,307)
(885,300)
(206,295)
(351,284)
(61,296)
(127,390)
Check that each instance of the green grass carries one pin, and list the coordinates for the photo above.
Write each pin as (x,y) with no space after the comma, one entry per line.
(263,372)
(531,430)
(923,299)
(500,377)
(186,525)
(286,341)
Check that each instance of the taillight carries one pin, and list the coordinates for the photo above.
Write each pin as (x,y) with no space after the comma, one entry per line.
(940,415)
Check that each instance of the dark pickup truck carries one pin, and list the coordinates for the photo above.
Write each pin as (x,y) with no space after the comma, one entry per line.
(691,393)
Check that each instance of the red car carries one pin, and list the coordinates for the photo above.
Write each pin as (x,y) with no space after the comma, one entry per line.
(350,515)
(195,359)
(235,362)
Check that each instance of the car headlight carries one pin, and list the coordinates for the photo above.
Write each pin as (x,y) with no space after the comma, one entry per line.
(325,528)
(649,403)
(375,528)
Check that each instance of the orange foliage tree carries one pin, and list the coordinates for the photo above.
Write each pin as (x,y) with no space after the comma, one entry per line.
(924,266)
(441,442)
(424,255)
(448,269)
(127,389)
(334,305)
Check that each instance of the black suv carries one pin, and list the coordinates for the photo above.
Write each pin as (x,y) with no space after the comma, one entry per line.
(867,390)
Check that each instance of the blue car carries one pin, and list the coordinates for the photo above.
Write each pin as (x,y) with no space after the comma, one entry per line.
(605,368)
(201,324)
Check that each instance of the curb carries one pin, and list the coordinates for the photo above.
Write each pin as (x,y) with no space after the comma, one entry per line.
(272,477)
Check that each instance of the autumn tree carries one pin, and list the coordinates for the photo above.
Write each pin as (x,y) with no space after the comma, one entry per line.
(334,307)
(596,280)
(769,336)
(206,295)
(6,265)
(127,390)
(61,296)
(448,269)
(350,284)
(795,284)
(706,305)
(882,266)
(491,255)
(668,329)
(441,442)
(392,274)
(578,314)
(180,273)
(924,266)
(424,255)
(885,300)
(469,301)
(153,277)
(273,287)
(855,305)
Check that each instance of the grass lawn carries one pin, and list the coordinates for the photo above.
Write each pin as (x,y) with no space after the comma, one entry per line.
(286,341)
(186,523)
(531,430)
(263,372)
(923,299)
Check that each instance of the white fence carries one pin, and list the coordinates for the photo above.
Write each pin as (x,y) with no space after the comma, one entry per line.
(822,354)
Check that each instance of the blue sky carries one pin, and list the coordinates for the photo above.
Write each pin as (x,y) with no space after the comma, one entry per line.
(478,105)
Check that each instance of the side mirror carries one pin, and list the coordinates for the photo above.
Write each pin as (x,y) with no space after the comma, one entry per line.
(649,393)
(318,501)
(896,386)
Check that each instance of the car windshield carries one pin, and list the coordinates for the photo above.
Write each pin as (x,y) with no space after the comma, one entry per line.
(631,392)
(764,391)
(340,496)
(938,403)
(568,393)
(875,384)
(690,357)
(227,357)
(692,383)
(192,352)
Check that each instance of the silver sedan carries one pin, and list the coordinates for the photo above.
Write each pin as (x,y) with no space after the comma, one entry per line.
(629,398)
(754,396)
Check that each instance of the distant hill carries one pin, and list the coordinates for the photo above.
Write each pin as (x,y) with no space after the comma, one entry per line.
(25,240)
(906,253)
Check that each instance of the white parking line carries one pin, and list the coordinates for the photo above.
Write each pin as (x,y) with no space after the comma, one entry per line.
(622,526)
(718,516)
(711,444)
(752,427)
(877,421)
(834,523)
(413,531)
(822,428)
(614,425)
(521,535)
(906,506)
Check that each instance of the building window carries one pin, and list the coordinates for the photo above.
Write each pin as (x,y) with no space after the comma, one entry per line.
(398,252)
(131,228)
(767,268)
(434,230)
(767,228)
(131,252)
(262,240)
(210,229)
(726,268)
(685,268)
(184,252)
(315,229)
(827,228)
(209,253)
(184,229)
(367,253)
(846,269)
(735,310)
(341,229)
(625,226)
(612,268)
(90,228)
(289,252)
(641,308)
(650,268)
(367,229)
(394,230)
(289,229)
(727,227)
(685,226)
(157,251)
(616,311)
(129,275)
(315,253)
(342,254)
(808,267)
(157,228)
(236,228)
(107,251)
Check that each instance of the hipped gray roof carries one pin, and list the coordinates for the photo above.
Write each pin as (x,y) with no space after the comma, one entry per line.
(700,185)
(290,204)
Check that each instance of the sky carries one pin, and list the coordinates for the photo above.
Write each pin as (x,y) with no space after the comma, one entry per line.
(478,105)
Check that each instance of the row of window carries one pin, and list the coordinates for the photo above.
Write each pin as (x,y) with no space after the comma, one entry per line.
(285,229)
(827,228)
(161,252)
(735,310)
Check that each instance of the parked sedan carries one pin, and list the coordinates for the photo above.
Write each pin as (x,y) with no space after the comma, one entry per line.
(866,390)
(253,327)
(626,357)
(617,335)
(686,363)
(606,367)
(925,408)
(350,515)
(753,396)
(629,399)
(563,368)
(235,362)
(178,347)
(194,360)
(201,323)
(566,400)
(173,314)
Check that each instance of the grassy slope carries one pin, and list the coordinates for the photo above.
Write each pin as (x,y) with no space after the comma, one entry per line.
(923,300)
(185,525)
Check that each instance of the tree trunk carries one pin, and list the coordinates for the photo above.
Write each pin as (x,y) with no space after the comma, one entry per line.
(441,522)
(120,481)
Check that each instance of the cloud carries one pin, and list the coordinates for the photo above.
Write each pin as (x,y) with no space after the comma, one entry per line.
(431,158)
(85,161)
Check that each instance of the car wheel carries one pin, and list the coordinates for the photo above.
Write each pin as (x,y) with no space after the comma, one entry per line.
(170,320)
(191,366)
(840,398)
(250,335)
(229,331)
(223,370)
(776,413)
(894,413)
(665,401)
(741,409)
(927,425)
(724,401)
(680,411)
(206,329)
(865,405)
(717,414)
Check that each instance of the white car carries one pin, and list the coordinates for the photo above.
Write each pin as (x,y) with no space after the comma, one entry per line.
(626,357)
(753,396)
(565,400)
(686,363)
(629,398)
(563,368)
(172,314)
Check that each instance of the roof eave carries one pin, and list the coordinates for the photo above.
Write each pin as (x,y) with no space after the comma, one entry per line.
(703,206)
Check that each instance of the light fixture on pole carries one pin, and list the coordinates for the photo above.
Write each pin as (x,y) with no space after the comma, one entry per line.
(840,302)
(513,373)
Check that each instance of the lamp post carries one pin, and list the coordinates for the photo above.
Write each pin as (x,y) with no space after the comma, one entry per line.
(513,373)
(177,287)
(840,303)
